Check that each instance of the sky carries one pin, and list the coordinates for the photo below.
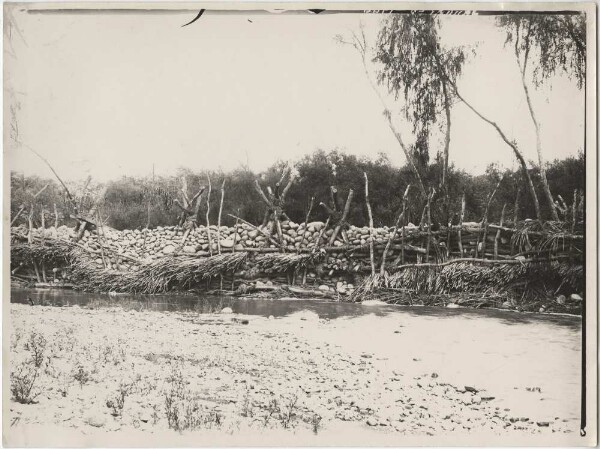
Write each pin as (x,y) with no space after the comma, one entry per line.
(109,95)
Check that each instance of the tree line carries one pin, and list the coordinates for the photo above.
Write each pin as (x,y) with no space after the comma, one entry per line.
(139,202)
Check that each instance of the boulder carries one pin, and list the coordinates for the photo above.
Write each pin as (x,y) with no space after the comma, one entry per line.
(561,299)
(575,297)
(324,288)
(227,243)
(96,420)
(189,249)
(169,249)
(227,310)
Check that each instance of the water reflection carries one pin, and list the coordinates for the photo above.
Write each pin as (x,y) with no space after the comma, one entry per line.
(275,307)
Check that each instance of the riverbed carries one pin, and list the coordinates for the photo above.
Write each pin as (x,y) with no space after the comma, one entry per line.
(291,371)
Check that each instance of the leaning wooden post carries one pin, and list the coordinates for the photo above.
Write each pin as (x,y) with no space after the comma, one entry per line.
(83,223)
(43,220)
(55,216)
(340,225)
(497,238)
(310,206)
(306,218)
(399,220)
(573,221)
(235,233)
(208,216)
(30,241)
(429,197)
(448,234)
(371,233)
(460,225)
(516,208)
(484,221)
(219,217)
(262,231)
(17,215)
(101,240)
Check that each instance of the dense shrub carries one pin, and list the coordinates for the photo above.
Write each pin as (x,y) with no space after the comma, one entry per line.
(149,201)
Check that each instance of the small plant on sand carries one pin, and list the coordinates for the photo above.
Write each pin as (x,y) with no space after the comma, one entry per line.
(182,408)
(81,375)
(287,415)
(15,339)
(22,383)
(63,381)
(174,396)
(247,409)
(315,422)
(113,354)
(36,345)
(272,410)
(116,402)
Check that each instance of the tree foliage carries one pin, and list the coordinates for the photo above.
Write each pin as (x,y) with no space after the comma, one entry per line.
(417,68)
(557,41)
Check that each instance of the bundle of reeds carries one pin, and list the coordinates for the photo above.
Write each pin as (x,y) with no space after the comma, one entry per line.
(54,251)
(279,263)
(531,279)
(162,275)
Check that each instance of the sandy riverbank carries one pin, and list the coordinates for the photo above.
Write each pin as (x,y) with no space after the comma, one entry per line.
(106,374)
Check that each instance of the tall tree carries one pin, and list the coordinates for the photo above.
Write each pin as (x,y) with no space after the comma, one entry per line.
(417,67)
(446,72)
(558,44)
(359,42)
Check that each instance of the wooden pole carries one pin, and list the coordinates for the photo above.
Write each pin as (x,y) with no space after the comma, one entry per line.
(485,220)
(343,219)
(208,216)
(497,238)
(449,232)
(371,233)
(573,220)
(219,217)
(399,221)
(17,215)
(460,225)
(429,197)
(55,216)
(101,239)
(516,207)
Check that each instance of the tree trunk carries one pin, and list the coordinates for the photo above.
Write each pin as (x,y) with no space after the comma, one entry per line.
(515,149)
(538,146)
(397,134)
(447,136)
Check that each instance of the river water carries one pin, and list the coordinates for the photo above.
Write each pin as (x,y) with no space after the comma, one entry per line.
(530,363)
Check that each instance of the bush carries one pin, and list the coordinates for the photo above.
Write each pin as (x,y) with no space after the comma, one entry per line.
(22,383)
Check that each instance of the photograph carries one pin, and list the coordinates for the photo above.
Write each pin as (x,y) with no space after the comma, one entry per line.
(299,224)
